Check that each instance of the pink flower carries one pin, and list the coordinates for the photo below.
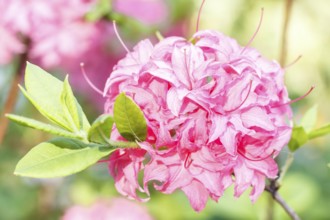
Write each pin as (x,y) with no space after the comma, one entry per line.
(119,209)
(216,115)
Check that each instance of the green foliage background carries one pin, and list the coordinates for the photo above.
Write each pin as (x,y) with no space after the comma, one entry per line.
(306,186)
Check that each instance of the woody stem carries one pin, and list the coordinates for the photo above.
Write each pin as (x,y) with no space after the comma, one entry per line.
(272,188)
(12,95)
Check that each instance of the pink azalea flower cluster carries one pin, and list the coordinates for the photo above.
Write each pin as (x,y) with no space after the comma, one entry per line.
(216,112)
(118,209)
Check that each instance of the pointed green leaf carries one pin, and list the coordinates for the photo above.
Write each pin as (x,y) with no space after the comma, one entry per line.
(309,119)
(72,109)
(129,119)
(69,105)
(298,138)
(48,95)
(44,92)
(28,122)
(60,157)
(101,129)
(319,132)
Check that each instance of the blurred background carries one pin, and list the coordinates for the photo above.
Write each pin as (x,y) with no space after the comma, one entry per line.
(60,44)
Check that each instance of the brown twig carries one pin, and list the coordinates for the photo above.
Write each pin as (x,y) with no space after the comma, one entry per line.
(272,188)
(12,95)
(287,15)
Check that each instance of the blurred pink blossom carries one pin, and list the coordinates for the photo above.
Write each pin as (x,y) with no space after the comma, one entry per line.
(216,115)
(117,209)
(147,11)
(60,38)
(55,29)
(9,45)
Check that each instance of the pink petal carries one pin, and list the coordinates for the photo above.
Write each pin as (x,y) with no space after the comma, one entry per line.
(282,138)
(236,93)
(173,101)
(181,67)
(219,124)
(243,178)
(257,117)
(155,171)
(267,167)
(228,139)
(197,195)
(212,182)
(258,184)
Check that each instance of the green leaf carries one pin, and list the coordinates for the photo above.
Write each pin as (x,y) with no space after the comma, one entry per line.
(72,109)
(48,95)
(44,92)
(298,138)
(101,129)
(309,119)
(60,157)
(28,122)
(319,132)
(129,119)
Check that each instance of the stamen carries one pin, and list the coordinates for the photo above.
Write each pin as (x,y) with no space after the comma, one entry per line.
(297,99)
(247,95)
(118,36)
(255,159)
(159,36)
(188,161)
(187,69)
(293,62)
(89,81)
(255,33)
(199,15)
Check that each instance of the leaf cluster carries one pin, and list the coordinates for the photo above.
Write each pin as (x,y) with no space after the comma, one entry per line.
(80,144)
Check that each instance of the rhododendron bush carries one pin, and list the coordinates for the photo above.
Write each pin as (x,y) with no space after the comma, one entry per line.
(197,115)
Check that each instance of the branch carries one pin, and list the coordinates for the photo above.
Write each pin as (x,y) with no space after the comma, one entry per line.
(287,14)
(272,188)
(12,95)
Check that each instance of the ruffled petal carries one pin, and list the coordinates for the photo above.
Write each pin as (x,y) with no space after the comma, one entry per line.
(197,195)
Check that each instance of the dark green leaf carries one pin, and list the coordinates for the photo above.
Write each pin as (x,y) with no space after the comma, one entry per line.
(101,129)
(129,119)
(60,157)
(298,138)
